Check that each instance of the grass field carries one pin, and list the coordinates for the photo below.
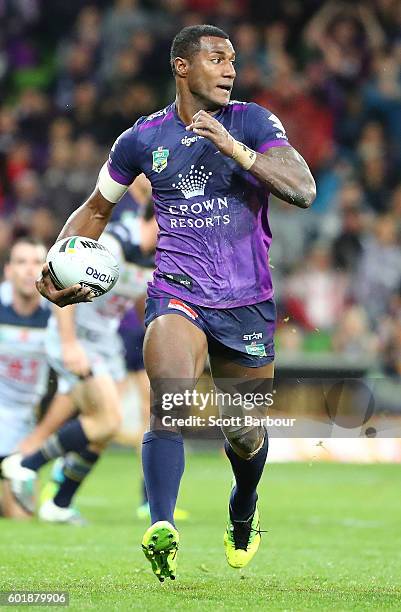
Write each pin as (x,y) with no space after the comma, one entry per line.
(333,542)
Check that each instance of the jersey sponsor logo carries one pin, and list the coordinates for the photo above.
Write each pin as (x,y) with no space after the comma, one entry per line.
(192,215)
(253,336)
(178,305)
(188,140)
(257,350)
(160,157)
(194,183)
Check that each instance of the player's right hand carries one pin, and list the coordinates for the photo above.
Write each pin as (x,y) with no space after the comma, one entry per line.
(62,297)
(74,358)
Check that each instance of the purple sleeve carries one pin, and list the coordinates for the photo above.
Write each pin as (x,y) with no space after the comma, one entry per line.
(263,129)
(122,163)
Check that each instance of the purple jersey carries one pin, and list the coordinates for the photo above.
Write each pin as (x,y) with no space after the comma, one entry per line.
(214,234)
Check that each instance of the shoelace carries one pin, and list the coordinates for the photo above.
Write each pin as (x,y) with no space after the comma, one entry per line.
(242,531)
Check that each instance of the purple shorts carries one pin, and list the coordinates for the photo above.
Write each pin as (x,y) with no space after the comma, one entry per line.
(243,335)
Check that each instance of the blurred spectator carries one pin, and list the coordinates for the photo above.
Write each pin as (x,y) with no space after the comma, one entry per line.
(248,48)
(308,123)
(379,272)
(84,169)
(292,231)
(332,180)
(56,180)
(8,129)
(33,116)
(390,336)
(389,15)
(28,196)
(383,95)
(5,240)
(19,159)
(120,112)
(315,296)
(84,114)
(119,23)
(290,338)
(125,69)
(345,34)
(353,336)
(87,28)
(348,246)
(373,153)
(43,226)
(60,130)
(75,66)
(395,208)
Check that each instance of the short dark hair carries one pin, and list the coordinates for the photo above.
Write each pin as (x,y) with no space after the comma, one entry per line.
(25,240)
(187,42)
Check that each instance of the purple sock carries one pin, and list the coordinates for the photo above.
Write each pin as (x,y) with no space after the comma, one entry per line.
(163,465)
(247,475)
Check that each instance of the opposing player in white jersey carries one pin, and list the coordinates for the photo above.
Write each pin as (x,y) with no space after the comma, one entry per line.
(86,351)
(23,365)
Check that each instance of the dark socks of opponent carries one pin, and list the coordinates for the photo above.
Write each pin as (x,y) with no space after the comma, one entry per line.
(76,468)
(247,474)
(163,465)
(70,437)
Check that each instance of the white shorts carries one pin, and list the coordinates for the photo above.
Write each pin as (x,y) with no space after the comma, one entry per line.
(101,362)
(15,424)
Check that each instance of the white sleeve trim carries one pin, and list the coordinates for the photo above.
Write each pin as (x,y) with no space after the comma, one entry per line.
(108,187)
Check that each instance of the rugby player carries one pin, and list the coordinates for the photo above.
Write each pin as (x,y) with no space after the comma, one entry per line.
(85,349)
(23,365)
(212,163)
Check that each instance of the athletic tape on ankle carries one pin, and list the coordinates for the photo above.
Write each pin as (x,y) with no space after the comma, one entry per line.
(243,155)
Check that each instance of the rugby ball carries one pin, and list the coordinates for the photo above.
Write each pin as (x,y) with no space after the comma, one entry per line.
(79,260)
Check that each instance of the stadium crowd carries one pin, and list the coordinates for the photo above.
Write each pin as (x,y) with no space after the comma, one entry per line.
(73,75)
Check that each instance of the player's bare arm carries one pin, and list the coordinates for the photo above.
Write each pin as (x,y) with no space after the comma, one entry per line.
(89,220)
(282,169)
(74,357)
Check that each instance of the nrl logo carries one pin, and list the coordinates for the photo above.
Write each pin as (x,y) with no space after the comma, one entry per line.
(160,159)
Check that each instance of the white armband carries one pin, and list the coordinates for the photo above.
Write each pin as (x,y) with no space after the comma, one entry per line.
(108,187)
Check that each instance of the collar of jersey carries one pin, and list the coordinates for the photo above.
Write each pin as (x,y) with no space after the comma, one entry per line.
(217,116)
